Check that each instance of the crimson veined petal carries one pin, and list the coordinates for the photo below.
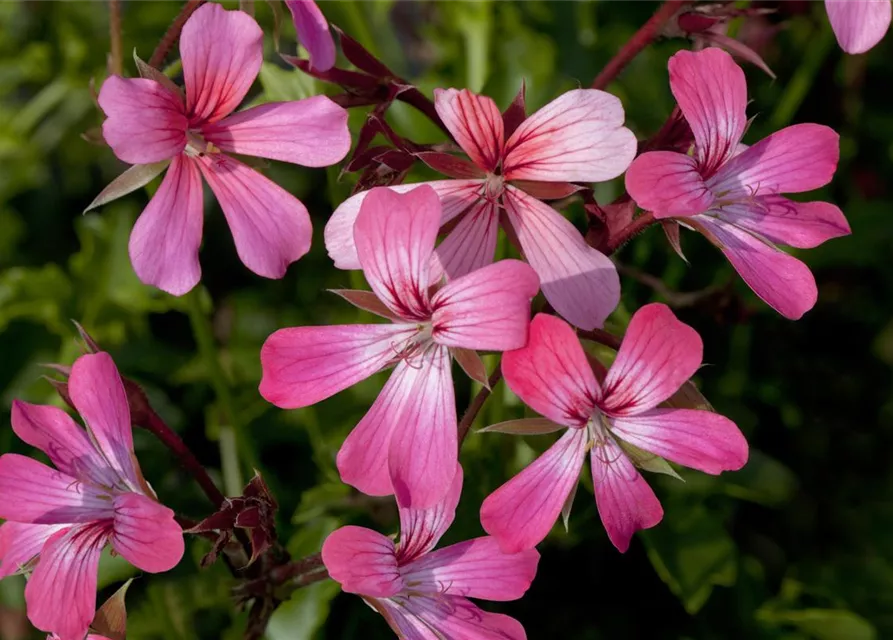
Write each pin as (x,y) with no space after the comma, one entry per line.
(475,122)
(668,184)
(421,529)
(434,618)
(797,224)
(859,25)
(362,561)
(20,543)
(146,534)
(313,33)
(470,245)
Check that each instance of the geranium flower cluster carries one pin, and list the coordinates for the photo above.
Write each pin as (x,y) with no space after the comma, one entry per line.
(442,301)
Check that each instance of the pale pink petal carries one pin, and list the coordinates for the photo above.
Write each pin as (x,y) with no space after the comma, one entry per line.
(146,533)
(858,24)
(98,395)
(626,503)
(61,594)
(551,373)
(313,33)
(452,617)
(271,227)
(520,513)
(421,529)
(303,365)
(701,440)
(474,569)
(21,542)
(475,122)
(578,137)
(424,449)
(362,561)
(579,281)
(668,184)
(222,52)
(144,123)
(798,158)
(797,224)
(781,281)
(397,613)
(471,244)
(165,240)
(658,354)
(456,196)
(487,309)
(311,132)
(395,235)
(712,93)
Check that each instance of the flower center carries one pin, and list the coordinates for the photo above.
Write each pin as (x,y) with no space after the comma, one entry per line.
(413,349)
(197,146)
(493,187)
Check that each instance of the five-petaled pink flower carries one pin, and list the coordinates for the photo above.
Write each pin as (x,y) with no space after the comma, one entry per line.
(579,137)
(149,122)
(553,376)
(730,193)
(423,594)
(407,443)
(859,24)
(313,32)
(59,520)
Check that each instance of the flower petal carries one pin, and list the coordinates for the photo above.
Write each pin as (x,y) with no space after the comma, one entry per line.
(797,224)
(271,227)
(303,365)
(488,309)
(362,561)
(668,184)
(313,33)
(579,281)
(145,122)
(701,440)
(781,281)
(424,448)
(222,52)
(474,569)
(520,513)
(475,123)
(453,617)
(712,93)
(421,529)
(859,24)
(165,240)
(21,542)
(469,246)
(146,533)
(657,355)
(551,373)
(578,137)
(311,132)
(625,502)
(395,235)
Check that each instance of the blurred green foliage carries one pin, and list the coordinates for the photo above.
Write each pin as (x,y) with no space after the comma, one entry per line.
(794,546)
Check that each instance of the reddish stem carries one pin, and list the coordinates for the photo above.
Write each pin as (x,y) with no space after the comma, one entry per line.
(116,59)
(602,337)
(173,33)
(625,234)
(476,404)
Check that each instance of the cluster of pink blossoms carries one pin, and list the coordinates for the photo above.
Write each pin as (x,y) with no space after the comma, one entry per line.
(443,301)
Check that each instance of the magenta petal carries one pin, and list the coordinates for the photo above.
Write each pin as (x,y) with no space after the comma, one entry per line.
(578,137)
(146,533)
(362,561)
(859,24)
(579,281)
(626,503)
(424,448)
(551,373)
(271,228)
(21,542)
(520,513)
(144,123)
(781,281)
(701,440)
(474,569)
(311,132)
(657,355)
(222,52)
(313,32)
(453,617)
(797,224)
(488,309)
(668,184)
(395,235)
(475,123)
(421,529)
(165,240)
(471,244)
(303,365)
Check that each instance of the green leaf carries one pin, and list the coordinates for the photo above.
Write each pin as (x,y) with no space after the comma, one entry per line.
(822,624)
(648,461)
(301,616)
(282,85)
(763,480)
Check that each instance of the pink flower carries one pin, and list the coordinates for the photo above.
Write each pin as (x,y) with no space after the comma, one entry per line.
(313,33)
(62,518)
(859,24)
(149,122)
(422,593)
(578,137)
(730,193)
(553,377)
(407,442)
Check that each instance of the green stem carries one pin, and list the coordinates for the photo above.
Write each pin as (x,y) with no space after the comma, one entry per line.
(801,82)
